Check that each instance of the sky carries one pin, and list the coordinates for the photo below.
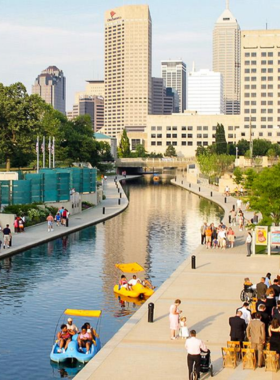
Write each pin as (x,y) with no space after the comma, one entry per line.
(69,34)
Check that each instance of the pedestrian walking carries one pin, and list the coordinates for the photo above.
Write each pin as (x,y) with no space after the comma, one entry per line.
(50,222)
(194,346)
(7,236)
(249,244)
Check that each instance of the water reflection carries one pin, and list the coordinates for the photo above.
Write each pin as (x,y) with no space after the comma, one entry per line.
(159,229)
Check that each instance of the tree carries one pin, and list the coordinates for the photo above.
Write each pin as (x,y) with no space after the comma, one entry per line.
(260,147)
(214,165)
(238,176)
(104,151)
(170,151)
(265,195)
(243,145)
(124,147)
(20,120)
(221,142)
(250,175)
(140,151)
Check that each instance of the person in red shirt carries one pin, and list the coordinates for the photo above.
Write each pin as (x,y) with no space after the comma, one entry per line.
(64,338)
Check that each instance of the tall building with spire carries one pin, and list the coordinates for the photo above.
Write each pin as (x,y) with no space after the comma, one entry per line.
(50,85)
(226,58)
(128,69)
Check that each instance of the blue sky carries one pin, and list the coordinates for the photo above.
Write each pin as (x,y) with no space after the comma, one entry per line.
(35,34)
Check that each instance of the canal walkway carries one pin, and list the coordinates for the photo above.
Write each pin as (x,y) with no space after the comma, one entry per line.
(209,295)
(115,202)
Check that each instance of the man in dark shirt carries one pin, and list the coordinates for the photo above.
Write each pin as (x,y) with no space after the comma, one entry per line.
(7,236)
(261,288)
(275,286)
(237,327)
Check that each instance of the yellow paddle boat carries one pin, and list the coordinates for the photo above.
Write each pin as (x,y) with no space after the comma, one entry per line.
(134,291)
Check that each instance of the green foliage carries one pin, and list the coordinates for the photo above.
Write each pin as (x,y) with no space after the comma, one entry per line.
(238,176)
(243,146)
(140,151)
(124,147)
(170,151)
(260,147)
(231,149)
(34,212)
(20,118)
(221,142)
(86,205)
(104,151)
(265,195)
(215,165)
(155,155)
(250,175)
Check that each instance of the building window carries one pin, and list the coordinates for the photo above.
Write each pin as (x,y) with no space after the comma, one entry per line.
(270,54)
(247,87)
(174,143)
(159,128)
(168,143)
(159,143)
(184,143)
(263,126)
(190,143)
(190,128)
(263,103)
(199,128)
(247,110)
(184,128)
(183,136)
(263,78)
(263,71)
(168,128)
(168,135)
(247,54)
(253,110)
(214,128)
(153,143)
(269,134)
(247,79)
(246,103)
(246,119)
(260,134)
(159,136)
(263,54)
(199,135)
(263,62)
(174,128)
(263,110)
(174,136)
(153,135)
(253,62)
(198,143)
(263,118)
(153,128)
(230,128)
(205,128)
(253,54)
(247,63)
(205,136)
(247,71)
(189,136)
(270,62)
(230,136)
(205,143)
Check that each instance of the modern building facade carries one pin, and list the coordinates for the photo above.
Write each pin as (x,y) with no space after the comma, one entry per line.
(205,92)
(174,74)
(89,105)
(162,100)
(93,88)
(187,131)
(128,69)
(260,78)
(226,59)
(50,85)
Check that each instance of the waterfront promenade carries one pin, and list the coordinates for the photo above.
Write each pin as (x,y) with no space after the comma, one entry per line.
(38,234)
(209,295)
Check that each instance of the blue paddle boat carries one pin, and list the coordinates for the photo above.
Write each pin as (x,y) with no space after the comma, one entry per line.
(73,351)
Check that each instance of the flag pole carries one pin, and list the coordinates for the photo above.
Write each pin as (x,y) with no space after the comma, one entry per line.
(37,149)
(53,152)
(50,152)
(44,152)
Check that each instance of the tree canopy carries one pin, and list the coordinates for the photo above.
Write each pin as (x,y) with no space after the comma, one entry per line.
(170,151)
(265,194)
(215,165)
(220,140)
(124,147)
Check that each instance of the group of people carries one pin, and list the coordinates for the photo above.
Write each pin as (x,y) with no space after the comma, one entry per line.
(123,283)
(217,237)
(61,219)
(193,345)
(260,325)
(19,224)
(85,338)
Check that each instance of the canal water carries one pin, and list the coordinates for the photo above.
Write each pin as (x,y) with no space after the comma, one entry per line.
(159,229)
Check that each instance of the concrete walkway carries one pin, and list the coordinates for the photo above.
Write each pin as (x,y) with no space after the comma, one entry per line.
(209,295)
(38,234)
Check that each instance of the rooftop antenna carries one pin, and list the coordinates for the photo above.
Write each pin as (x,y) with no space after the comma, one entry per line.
(227,4)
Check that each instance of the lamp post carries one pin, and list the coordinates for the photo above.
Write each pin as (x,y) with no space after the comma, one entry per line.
(236,152)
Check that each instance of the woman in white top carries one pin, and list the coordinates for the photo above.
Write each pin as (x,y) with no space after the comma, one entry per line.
(249,244)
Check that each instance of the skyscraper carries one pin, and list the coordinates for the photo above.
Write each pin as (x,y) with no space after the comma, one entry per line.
(50,85)
(205,92)
(174,74)
(226,58)
(260,93)
(128,69)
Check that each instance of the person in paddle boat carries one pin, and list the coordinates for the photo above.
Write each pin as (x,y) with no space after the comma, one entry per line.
(73,329)
(123,283)
(85,339)
(64,338)
(148,284)
(92,331)
(134,280)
